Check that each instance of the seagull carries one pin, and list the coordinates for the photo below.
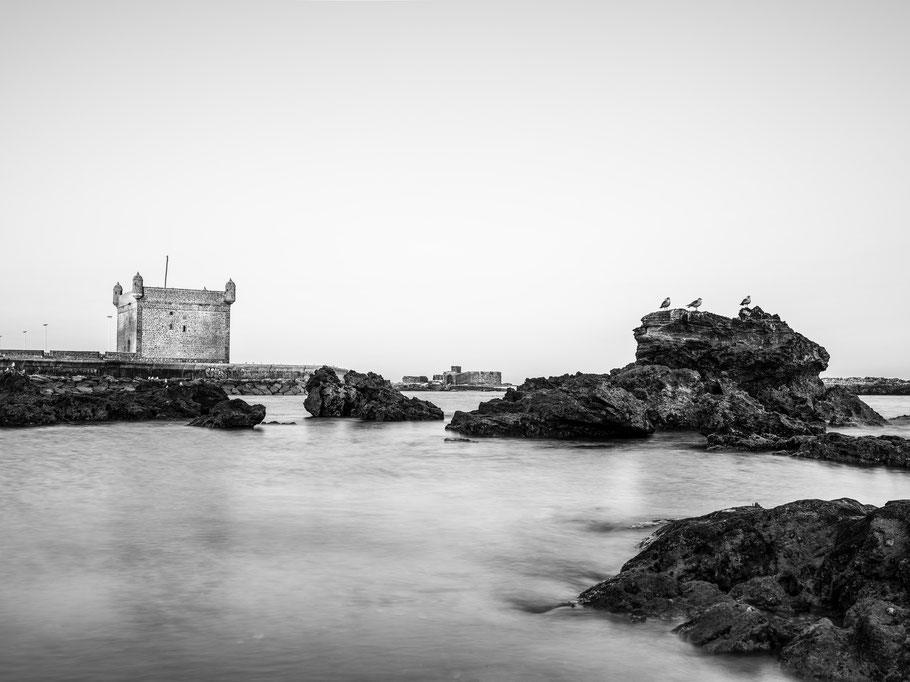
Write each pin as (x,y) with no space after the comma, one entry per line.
(666,303)
(746,301)
(695,303)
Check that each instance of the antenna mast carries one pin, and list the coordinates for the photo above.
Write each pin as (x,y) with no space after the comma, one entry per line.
(166,258)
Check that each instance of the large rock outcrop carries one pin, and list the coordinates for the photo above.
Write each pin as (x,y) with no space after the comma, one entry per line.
(366,396)
(580,406)
(231,414)
(750,579)
(735,377)
(22,402)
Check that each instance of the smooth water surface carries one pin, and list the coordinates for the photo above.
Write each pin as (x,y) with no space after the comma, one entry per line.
(342,550)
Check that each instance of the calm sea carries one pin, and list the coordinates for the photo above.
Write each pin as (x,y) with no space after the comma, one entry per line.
(341,550)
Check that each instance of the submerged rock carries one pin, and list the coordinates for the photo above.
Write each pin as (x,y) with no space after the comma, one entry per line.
(22,403)
(750,579)
(366,396)
(231,414)
(579,406)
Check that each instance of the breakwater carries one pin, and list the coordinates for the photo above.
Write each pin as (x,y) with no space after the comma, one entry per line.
(89,385)
(236,378)
(870,385)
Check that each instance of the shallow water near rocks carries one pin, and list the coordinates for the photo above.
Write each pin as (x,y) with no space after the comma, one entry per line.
(337,549)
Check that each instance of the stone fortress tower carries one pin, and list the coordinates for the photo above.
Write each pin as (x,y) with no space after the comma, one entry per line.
(183,325)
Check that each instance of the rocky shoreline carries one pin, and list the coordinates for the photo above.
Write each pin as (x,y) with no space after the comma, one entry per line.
(44,401)
(824,585)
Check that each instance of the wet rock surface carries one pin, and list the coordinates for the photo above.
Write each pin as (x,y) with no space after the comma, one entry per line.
(24,401)
(836,447)
(579,406)
(751,375)
(231,414)
(365,396)
(823,584)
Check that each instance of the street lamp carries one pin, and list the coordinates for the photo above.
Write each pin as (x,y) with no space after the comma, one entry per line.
(110,332)
(25,336)
(45,337)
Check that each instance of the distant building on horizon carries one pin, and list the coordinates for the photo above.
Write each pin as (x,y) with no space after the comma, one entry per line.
(165,323)
(456,377)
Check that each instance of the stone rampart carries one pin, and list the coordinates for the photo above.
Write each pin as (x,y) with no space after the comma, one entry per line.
(478,378)
(126,365)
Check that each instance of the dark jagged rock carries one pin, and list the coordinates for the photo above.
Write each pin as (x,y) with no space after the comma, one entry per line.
(23,404)
(755,350)
(836,447)
(749,376)
(570,406)
(231,414)
(750,579)
(366,396)
(833,447)
(839,407)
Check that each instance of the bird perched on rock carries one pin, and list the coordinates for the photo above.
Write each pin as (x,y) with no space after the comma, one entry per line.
(666,303)
(746,301)
(695,303)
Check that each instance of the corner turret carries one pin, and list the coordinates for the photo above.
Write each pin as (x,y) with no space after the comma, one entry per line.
(230,292)
(118,290)
(138,289)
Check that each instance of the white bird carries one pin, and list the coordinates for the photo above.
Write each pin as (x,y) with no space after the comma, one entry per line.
(666,303)
(695,303)
(746,301)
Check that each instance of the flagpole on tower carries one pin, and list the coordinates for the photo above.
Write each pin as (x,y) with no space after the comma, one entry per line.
(166,258)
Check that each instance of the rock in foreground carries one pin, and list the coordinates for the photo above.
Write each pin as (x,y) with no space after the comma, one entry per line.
(580,406)
(231,414)
(750,579)
(22,403)
(366,396)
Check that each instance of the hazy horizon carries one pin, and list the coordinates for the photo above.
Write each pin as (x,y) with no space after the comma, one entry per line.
(400,187)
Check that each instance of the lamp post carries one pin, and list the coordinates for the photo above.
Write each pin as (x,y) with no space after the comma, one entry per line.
(45,337)
(25,336)
(110,333)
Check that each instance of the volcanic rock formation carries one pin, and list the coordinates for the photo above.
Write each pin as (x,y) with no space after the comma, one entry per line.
(367,396)
(736,377)
(750,579)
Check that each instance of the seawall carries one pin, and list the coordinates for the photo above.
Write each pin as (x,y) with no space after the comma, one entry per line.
(256,378)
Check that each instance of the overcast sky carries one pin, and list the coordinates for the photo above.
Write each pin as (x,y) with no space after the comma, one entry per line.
(403,186)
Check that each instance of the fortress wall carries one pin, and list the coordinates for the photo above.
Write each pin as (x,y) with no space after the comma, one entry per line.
(477,378)
(185,329)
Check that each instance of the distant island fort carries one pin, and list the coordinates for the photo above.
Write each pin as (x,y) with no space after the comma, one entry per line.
(453,378)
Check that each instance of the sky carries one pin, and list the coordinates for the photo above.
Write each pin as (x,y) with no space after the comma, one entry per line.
(403,186)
